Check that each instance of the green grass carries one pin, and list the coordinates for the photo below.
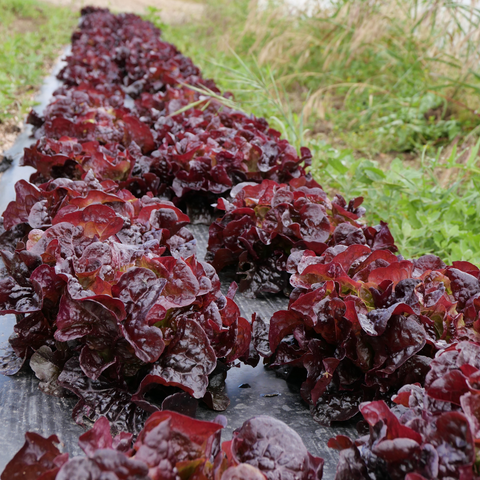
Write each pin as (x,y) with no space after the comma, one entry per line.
(32,34)
(385,82)
(424,215)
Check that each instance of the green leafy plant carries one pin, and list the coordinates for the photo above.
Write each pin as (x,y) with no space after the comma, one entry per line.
(425,214)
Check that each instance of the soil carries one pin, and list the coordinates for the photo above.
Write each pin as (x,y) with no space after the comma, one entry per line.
(9,129)
(23,25)
(171,11)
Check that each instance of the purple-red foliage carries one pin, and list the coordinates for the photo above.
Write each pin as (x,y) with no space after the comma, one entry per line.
(437,433)
(363,323)
(266,223)
(107,290)
(109,297)
(213,149)
(152,147)
(172,446)
(113,305)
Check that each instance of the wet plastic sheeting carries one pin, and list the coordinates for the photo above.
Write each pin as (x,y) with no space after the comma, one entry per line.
(24,407)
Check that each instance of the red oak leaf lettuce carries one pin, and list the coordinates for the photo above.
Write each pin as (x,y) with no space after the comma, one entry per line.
(172,445)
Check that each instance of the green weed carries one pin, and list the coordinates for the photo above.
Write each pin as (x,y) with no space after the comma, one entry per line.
(424,215)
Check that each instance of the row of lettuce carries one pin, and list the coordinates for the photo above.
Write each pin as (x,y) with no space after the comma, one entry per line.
(113,305)
(171,446)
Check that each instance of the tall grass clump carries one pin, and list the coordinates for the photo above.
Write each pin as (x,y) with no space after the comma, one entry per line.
(378,76)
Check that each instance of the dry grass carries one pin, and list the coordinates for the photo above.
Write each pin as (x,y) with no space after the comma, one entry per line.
(357,62)
(448,36)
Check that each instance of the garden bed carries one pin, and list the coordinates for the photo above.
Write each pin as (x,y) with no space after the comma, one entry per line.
(115,305)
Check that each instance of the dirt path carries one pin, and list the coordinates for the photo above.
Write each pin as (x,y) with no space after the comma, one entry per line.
(171,11)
